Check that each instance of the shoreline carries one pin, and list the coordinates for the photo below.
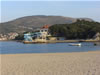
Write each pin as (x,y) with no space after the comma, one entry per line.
(52,53)
(59,41)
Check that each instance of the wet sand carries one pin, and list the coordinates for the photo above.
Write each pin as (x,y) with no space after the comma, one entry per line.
(77,63)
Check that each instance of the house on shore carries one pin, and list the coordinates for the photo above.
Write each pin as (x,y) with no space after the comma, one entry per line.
(41,35)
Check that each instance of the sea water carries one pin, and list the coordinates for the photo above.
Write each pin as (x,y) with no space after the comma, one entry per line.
(13,47)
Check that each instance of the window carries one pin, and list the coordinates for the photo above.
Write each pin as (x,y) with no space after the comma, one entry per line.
(41,30)
(45,30)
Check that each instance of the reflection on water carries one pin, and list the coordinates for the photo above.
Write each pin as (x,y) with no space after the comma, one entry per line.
(11,47)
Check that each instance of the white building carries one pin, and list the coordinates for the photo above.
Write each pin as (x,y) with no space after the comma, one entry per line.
(43,33)
(40,36)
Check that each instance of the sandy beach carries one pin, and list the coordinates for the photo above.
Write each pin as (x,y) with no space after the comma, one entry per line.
(77,63)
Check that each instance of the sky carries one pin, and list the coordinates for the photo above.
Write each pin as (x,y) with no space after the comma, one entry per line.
(11,10)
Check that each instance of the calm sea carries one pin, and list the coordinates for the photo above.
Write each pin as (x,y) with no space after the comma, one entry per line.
(12,47)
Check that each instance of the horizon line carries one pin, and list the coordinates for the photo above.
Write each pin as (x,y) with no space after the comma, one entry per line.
(46,15)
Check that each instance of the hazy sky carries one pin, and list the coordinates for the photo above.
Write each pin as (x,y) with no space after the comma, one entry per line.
(15,9)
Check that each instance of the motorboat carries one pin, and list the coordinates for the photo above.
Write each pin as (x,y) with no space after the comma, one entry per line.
(75,44)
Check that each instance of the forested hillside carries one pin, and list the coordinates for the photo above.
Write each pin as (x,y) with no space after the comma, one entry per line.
(81,29)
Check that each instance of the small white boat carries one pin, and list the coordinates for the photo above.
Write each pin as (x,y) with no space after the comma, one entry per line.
(75,44)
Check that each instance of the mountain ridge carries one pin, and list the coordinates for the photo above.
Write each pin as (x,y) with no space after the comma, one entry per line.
(29,23)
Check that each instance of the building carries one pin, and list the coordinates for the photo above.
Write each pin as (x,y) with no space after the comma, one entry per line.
(12,35)
(41,35)
(8,36)
(28,37)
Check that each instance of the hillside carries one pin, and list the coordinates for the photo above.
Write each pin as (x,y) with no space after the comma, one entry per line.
(80,29)
(30,23)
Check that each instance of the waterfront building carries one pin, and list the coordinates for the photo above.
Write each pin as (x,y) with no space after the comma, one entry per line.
(41,35)
(28,37)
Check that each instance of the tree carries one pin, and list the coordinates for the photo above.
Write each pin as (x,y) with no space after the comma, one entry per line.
(80,29)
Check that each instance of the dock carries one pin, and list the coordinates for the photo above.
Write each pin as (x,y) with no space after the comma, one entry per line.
(59,41)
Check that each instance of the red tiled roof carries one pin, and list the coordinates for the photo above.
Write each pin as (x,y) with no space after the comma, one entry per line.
(45,26)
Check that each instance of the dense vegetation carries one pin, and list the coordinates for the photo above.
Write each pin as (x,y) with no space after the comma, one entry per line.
(19,37)
(81,29)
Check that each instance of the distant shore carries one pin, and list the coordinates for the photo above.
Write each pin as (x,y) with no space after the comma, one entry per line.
(58,41)
(76,63)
